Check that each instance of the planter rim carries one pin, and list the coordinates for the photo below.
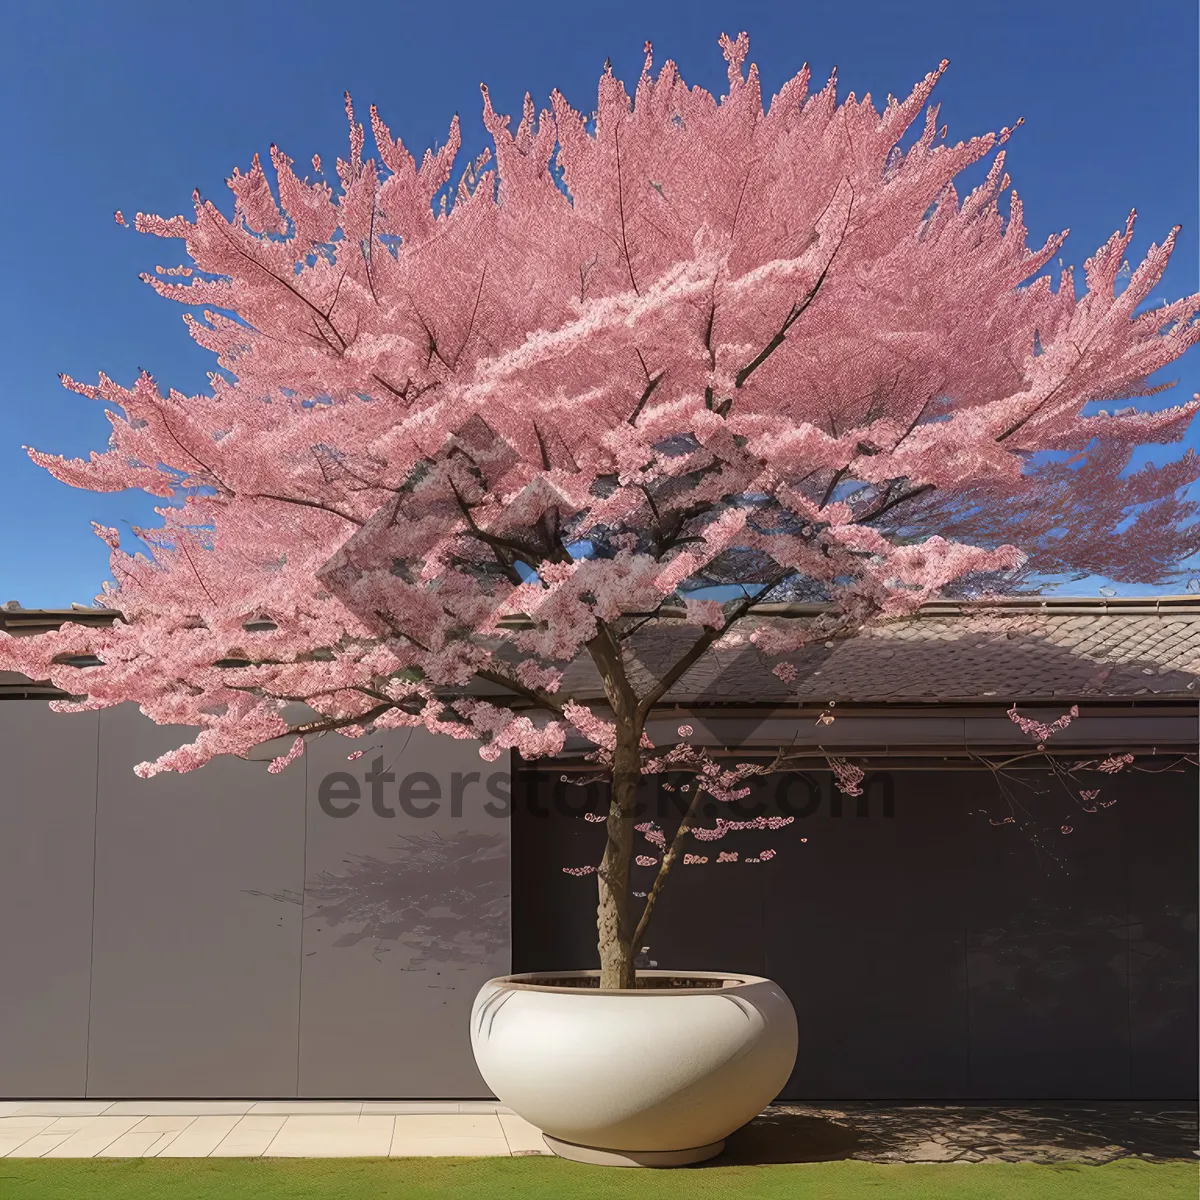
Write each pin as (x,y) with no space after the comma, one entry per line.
(527,981)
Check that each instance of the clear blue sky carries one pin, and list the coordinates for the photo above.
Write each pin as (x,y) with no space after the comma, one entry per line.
(132,105)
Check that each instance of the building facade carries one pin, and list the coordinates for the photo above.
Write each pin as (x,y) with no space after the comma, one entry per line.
(321,933)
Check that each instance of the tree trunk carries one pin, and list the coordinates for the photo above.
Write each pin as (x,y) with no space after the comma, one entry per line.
(613,925)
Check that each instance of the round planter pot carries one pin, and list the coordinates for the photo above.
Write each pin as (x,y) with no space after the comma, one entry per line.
(653,1076)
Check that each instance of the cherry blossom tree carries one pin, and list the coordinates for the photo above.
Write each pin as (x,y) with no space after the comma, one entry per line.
(463,436)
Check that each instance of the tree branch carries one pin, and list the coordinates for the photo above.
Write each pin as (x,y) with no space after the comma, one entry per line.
(402,393)
(669,858)
(838,477)
(664,868)
(626,633)
(520,552)
(702,644)
(533,695)
(331,723)
(337,512)
(471,323)
(621,211)
(367,257)
(796,310)
(605,650)
(888,505)
(652,381)
(279,279)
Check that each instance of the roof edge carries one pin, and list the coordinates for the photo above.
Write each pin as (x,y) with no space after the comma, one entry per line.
(1058,605)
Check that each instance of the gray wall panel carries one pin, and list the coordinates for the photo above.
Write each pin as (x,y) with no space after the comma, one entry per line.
(1048,979)
(195,986)
(405,915)
(271,936)
(1159,943)
(47,825)
(865,935)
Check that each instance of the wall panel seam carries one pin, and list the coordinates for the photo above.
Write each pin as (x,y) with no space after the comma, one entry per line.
(87,1050)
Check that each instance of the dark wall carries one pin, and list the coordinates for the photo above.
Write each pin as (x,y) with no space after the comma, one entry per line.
(233,933)
(225,933)
(930,952)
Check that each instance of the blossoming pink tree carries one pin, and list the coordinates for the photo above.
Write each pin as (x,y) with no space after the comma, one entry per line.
(462,437)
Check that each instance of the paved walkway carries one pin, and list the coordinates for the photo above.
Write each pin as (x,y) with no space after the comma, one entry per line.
(866,1131)
(246,1129)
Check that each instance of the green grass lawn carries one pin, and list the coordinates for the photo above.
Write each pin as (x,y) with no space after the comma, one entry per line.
(553,1179)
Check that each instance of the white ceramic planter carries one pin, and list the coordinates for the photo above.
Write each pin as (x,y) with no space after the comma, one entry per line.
(654,1077)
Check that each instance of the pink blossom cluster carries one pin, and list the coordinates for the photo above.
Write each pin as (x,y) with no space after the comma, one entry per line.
(463,435)
(652,834)
(762,856)
(1037,730)
(847,776)
(724,827)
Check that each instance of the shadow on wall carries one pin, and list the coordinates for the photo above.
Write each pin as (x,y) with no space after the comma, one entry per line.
(1036,951)
(444,898)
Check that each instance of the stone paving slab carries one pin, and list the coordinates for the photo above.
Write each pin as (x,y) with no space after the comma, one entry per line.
(269,1128)
(337,1136)
(149,1108)
(201,1137)
(815,1132)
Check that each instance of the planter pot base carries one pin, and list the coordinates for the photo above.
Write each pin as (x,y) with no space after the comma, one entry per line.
(632,1158)
(655,1076)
